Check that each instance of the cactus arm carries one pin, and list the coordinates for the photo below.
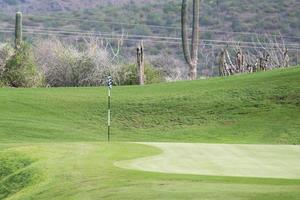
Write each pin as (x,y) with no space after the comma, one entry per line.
(195,34)
(184,29)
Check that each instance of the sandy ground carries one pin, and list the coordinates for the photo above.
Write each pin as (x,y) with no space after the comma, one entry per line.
(265,161)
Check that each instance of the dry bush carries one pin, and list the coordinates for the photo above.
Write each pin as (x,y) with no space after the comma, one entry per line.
(87,63)
(20,70)
(172,69)
(6,52)
(263,53)
(18,67)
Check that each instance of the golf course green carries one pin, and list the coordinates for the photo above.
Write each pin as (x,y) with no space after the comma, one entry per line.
(231,138)
(267,161)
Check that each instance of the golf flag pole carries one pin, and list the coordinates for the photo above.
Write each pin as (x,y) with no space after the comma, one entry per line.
(109,84)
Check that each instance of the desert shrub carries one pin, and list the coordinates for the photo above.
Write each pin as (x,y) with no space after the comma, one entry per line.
(6,52)
(128,75)
(20,69)
(69,65)
(172,69)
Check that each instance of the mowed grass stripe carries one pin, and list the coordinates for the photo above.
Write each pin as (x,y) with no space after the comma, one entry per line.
(255,108)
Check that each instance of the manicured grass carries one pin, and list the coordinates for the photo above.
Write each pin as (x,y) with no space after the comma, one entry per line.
(87,171)
(261,161)
(48,137)
(15,173)
(255,108)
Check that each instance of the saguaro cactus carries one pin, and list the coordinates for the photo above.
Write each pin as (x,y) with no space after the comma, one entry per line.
(18,30)
(286,58)
(239,61)
(190,53)
(222,63)
(140,64)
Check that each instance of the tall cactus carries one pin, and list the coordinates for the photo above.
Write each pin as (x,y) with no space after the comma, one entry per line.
(18,30)
(222,63)
(190,53)
(140,64)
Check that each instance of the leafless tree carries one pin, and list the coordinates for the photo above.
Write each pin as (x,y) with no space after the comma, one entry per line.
(270,50)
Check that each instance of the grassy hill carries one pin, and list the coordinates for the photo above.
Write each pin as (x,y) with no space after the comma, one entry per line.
(254,108)
(50,139)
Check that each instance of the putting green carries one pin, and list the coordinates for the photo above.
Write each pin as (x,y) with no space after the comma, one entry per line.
(266,161)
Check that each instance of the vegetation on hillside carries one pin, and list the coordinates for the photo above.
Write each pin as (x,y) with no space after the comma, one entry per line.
(54,63)
(20,69)
(231,15)
(136,21)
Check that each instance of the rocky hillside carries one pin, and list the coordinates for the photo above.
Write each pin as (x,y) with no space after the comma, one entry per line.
(231,15)
(57,5)
(153,21)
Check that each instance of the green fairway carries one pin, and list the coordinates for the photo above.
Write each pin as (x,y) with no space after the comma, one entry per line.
(86,171)
(52,140)
(268,161)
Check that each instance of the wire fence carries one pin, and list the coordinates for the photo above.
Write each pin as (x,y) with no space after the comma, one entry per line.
(158,43)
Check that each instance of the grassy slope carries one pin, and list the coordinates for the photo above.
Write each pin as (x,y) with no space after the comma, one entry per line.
(259,108)
(256,108)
